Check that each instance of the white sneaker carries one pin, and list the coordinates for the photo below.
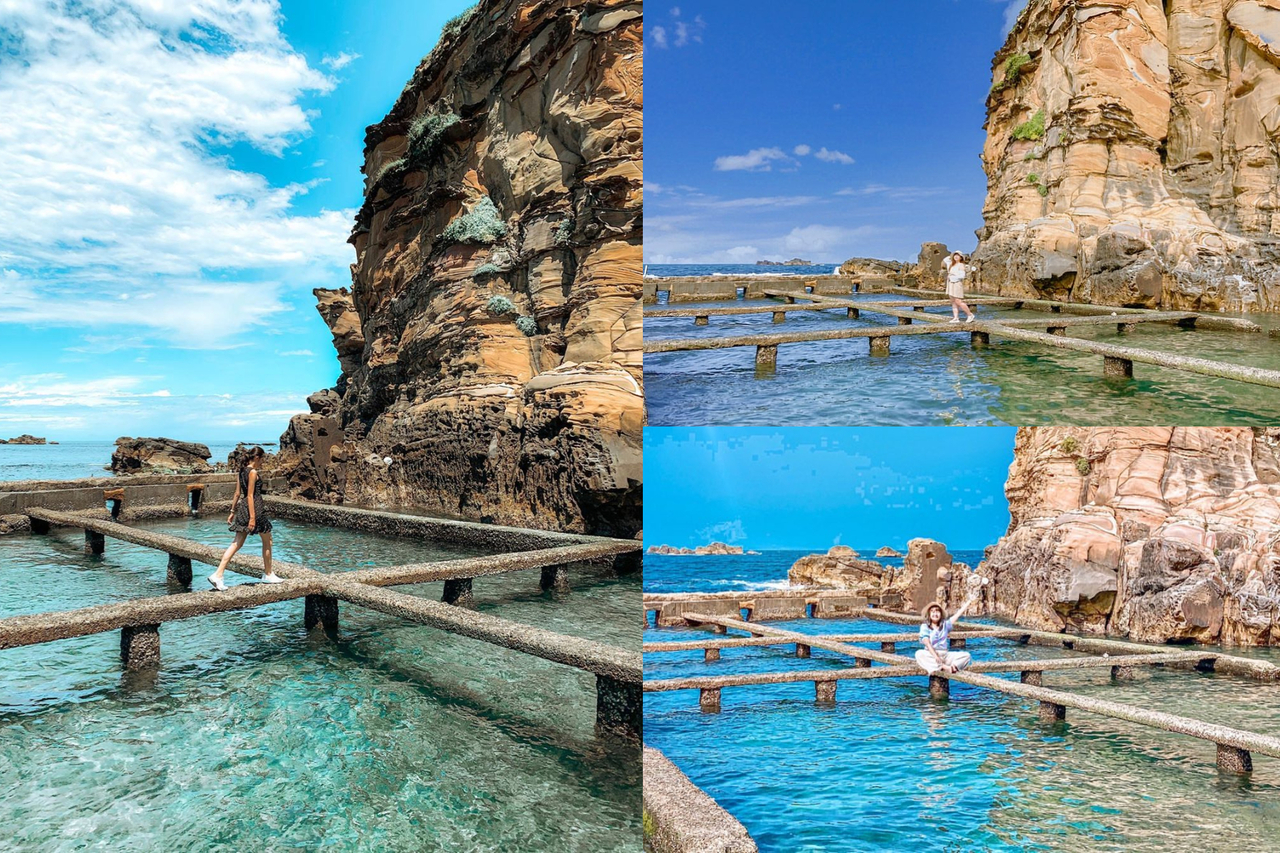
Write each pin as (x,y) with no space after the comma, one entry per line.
(272,578)
(217,583)
(969,319)
(955,319)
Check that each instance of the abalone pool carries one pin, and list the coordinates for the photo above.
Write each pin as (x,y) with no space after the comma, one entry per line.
(253,735)
(886,768)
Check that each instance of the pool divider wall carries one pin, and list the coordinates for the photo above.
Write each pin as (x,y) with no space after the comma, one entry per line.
(618,672)
(679,817)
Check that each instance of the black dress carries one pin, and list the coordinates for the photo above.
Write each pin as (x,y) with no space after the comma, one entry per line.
(240,521)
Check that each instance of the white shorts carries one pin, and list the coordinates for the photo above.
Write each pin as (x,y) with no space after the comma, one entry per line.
(960,660)
(955,289)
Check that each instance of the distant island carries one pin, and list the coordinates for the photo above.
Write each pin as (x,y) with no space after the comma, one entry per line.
(794,262)
(25,439)
(714,549)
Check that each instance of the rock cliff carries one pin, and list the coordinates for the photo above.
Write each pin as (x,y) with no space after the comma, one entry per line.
(1133,155)
(491,340)
(1162,534)
(159,455)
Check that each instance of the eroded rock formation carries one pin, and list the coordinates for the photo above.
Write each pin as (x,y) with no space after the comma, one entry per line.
(714,549)
(928,573)
(159,455)
(491,341)
(1162,534)
(1133,155)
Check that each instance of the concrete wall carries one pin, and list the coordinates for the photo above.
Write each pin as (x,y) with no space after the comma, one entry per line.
(713,288)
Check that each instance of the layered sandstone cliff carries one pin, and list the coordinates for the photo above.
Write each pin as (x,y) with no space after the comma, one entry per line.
(1133,155)
(491,340)
(1162,534)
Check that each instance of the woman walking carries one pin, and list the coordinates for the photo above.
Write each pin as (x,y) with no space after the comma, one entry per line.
(248,516)
(955,270)
(935,636)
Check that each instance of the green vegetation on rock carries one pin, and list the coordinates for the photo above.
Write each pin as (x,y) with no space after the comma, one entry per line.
(483,225)
(1012,70)
(487,268)
(454,25)
(528,325)
(564,233)
(1069,445)
(500,305)
(390,168)
(1033,178)
(426,135)
(1031,129)
(1082,465)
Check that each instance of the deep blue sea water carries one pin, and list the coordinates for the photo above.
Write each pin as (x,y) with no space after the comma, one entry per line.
(737,270)
(887,769)
(71,460)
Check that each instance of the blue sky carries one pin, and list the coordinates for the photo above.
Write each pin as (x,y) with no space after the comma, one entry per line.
(175,178)
(811,488)
(826,129)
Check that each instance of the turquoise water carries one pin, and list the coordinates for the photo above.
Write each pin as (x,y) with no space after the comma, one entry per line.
(737,270)
(73,459)
(888,769)
(942,380)
(253,735)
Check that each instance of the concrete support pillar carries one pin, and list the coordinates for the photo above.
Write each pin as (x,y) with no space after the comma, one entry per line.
(711,654)
(557,578)
(701,320)
(803,651)
(852,313)
(919,308)
(980,339)
(1206,664)
(321,610)
(1060,331)
(779,316)
(139,647)
(458,592)
(939,687)
(179,571)
(904,321)
(619,707)
(824,692)
(1122,673)
(709,699)
(1055,309)
(862,663)
(1233,759)
(1052,712)
(94,543)
(880,345)
(1034,677)
(791,300)
(719,629)
(1117,367)
(766,356)
(1122,328)
(959,643)
(889,648)
(39,526)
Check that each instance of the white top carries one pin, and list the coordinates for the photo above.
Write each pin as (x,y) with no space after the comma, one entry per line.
(956,270)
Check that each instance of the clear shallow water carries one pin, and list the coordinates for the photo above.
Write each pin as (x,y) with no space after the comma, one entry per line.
(940,380)
(888,769)
(254,736)
(72,459)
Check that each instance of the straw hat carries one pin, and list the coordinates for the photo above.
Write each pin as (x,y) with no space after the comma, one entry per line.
(924,612)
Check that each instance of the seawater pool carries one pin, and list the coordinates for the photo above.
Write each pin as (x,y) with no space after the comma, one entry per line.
(888,769)
(941,380)
(253,735)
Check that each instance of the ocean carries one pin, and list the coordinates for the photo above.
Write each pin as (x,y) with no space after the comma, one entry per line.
(71,460)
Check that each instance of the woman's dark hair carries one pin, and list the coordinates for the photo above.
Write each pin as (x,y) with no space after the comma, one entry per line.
(247,455)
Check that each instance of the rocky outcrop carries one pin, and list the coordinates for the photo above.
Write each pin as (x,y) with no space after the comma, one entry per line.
(928,268)
(1133,155)
(928,573)
(872,268)
(491,340)
(713,549)
(25,438)
(1161,534)
(159,456)
(886,551)
(841,568)
(794,262)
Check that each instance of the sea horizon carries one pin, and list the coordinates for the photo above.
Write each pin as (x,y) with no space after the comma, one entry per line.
(76,459)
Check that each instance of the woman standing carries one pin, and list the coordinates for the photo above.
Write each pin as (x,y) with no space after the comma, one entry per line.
(248,516)
(955,270)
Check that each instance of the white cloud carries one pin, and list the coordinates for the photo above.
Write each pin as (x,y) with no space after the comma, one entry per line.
(115,181)
(1012,9)
(837,106)
(801,150)
(895,193)
(726,531)
(342,60)
(755,160)
(817,239)
(297,352)
(659,35)
(754,202)
(833,156)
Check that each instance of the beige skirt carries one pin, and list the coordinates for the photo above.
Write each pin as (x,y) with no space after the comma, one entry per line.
(955,289)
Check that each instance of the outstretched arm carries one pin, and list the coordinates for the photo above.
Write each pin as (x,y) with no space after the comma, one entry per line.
(968,602)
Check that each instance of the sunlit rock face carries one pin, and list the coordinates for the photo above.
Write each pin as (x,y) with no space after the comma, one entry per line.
(491,341)
(1154,181)
(1162,534)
